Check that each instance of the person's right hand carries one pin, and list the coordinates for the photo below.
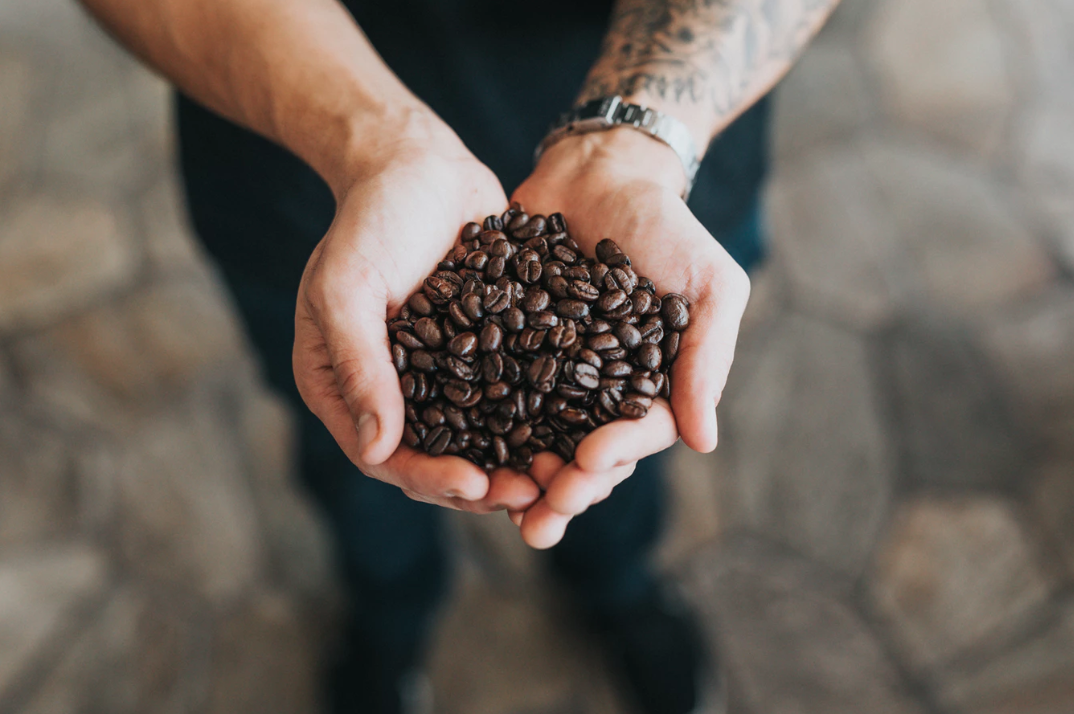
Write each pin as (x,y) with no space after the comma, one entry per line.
(398,212)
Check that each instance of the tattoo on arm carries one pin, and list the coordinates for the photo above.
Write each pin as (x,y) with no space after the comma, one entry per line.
(715,55)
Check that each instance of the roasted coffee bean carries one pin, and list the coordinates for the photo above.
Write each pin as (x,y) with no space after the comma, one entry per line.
(649,356)
(629,336)
(675,310)
(602,342)
(535,300)
(499,355)
(581,290)
(543,320)
(586,375)
(644,386)
(514,320)
(606,249)
(399,358)
(491,338)
(422,360)
(463,345)
(437,440)
(529,271)
(671,346)
(530,340)
(574,309)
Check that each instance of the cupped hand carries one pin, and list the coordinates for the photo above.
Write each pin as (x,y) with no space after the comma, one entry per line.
(626,186)
(394,222)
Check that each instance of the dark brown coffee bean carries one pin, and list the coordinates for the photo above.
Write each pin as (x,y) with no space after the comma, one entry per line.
(455,417)
(463,439)
(522,459)
(649,356)
(512,372)
(534,227)
(641,301)
(499,450)
(497,391)
(535,300)
(408,384)
(496,300)
(529,271)
(675,310)
(542,372)
(671,346)
(458,392)
(463,345)
(519,435)
(570,391)
(472,306)
(543,320)
(575,417)
(429,332)
(420,304)
(590,357)
(421,387)
(493,223)
(494,269)
(563,447)
(651,326)
(606,249)
(564,254)
(499,424)
(619,260)
(656,336)
(616,354)
(519,220)
(609,400)
(410,437)
(644,386)
(581,290)
(470,231)
(433,416)
(598,327)
(534,404)
(409,341)
(557,287)
(577,272)
(458,315)
(629,336)
(617,369)
(530,340)
(514,320)
(460,368)
(500,249)
(491,338)
(574,309)
(422,360)
(635,406)
(602,342)
(619,279)
(399,358)
(477,260)
(557,223)
(437,440)
(586,375)
(492,367)
(564,335)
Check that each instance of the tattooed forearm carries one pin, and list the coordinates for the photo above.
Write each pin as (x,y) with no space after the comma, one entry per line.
(712,58)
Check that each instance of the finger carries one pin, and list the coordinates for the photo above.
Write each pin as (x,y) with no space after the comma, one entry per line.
(356,343)
(516,517)
(545,466)
(510,490)
(543,527)
(624,441)
(574,489)
(705,354)
(436,478)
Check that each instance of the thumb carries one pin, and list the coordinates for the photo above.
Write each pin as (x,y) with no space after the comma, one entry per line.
(365,409)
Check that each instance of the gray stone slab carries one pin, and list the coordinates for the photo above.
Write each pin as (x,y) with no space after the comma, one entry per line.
(40,592)
(1052,496)
(1036,677)
(264,660)
(38,496)
(1031,345)
(954,427)
(810,463)
(55,255)
(507,653)
(187,519)
(97,671)
(823,100)
(693,513)
(832,236)
(955,574)
(790,638)
(968,248)
(153,344)
(942,67)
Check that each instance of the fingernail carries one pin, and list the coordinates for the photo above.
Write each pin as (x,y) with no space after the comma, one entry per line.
(367,432)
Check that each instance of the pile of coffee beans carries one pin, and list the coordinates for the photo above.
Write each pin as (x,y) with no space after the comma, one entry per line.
(519,343)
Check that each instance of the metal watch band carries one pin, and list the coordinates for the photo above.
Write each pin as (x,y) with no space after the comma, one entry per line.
(609,112)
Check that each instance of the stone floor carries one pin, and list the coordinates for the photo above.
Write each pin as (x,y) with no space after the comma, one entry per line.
(887,527)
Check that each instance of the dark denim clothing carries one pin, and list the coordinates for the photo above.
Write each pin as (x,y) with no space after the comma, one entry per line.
(498,73)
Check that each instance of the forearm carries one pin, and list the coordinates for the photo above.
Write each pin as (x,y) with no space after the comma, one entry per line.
(702,61)
(299,72)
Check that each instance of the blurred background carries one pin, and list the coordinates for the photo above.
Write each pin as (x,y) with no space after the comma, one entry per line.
(887,526)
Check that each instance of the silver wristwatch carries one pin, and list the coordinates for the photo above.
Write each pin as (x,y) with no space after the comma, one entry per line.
(609,112)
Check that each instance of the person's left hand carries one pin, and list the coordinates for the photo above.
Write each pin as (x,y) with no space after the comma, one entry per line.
(626,186)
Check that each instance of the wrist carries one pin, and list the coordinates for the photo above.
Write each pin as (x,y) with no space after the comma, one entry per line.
(618,155)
